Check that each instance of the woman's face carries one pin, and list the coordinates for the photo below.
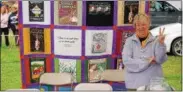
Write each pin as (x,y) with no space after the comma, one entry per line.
(142,28)
(13,9)
(3,9)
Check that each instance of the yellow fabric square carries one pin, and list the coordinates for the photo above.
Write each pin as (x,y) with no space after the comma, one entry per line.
(47,43)
(26,40)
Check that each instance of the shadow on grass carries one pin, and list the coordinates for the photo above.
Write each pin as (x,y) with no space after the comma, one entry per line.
(170,54)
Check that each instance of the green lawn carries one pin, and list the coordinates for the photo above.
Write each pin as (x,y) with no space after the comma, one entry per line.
(10,66)
(172,71)
(11,75)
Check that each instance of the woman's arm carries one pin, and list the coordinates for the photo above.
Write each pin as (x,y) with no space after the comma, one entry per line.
(160,48)
(160,53)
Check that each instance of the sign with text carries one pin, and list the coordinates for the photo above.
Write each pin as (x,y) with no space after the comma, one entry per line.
(66,41)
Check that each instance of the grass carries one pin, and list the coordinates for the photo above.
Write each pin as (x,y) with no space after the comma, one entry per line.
(10,66)
(172,71)
(11,75)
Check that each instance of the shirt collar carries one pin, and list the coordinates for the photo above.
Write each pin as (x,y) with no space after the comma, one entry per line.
(149,39)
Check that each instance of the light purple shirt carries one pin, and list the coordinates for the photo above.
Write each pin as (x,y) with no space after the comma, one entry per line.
(138,71)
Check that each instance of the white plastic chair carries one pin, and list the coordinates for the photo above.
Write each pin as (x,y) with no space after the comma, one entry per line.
(22,90)
(56,79)
(93,87)
(113,75)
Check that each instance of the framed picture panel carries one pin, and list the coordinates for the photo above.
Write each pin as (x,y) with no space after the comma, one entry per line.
(127,11)
(36,12)
(37,68)
(37,40)
(95,69)
(99,42)
(99,13)
(68,13)
(66,41)
(72,66)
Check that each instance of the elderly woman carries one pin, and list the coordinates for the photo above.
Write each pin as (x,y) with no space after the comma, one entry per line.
(143,54)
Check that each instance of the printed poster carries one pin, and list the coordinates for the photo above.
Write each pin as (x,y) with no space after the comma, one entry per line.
(97,8)
(99,13)
(37,40)
(69,66)
(36,11)
(95,68)
(99,42)
(37,68)
(130,10)
(68,12)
